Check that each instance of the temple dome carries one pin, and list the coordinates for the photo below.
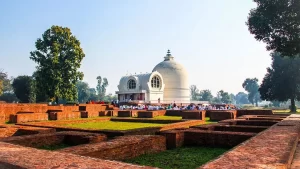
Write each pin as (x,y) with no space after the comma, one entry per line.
(175,79)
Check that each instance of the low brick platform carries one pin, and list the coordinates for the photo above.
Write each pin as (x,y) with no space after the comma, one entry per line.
(218,115)
(108,113)
(17,157)
(272,148)
(85,114)
(15,130)
(69,138)
(173,112)
(124,113)
(233,128)
(194,137)
(28,117)
(200,115)
(174,138)
(249,122)
(64,115)
(254,112)
(121,148)
(150,114)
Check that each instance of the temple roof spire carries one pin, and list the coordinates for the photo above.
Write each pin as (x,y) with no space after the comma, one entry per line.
(169,56)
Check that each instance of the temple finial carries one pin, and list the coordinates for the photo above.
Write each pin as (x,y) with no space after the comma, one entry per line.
(169,56)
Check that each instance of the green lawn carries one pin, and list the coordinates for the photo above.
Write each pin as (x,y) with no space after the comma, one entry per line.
(208,121)
(168,117)
(180,158)
(112,125)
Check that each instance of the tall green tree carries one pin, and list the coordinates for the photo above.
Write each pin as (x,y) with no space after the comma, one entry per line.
(83,91)
(205,95)
(101,87)
(5,82)
(24,88)
(241,98)
(194,91)
(225,97)
(277,23)
(282,81)
(251,86)
(58,56)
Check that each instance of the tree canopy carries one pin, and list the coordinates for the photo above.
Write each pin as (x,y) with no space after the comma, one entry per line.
(24,89)
(205,95)
(225,97)
(282,81)
(194,91)
(83,91)
(241,98)
(58,56)
(101,87)
(251,86)
(277,23)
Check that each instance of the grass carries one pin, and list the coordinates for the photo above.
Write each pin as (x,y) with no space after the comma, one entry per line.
(112,125)
(180,158)
(168,118)
(54,147)
(208,121)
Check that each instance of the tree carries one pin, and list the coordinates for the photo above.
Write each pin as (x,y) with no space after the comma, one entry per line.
(276,23)
(5,83)
(93,94)
(241,98)
(282,81)
(225,97)
(101,87)
(24,88)
(58,56)
(83,91)
(194,92)
(205,95)
(251,86)
(8,97)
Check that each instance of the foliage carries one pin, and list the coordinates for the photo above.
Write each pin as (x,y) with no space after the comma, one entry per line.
(194,91)
(9,97)
(251,86)
(179,158)
(24,88)
(5,83)
(225,97)
(83,91)
(282,81)
(205,95)
(241,98)
(110,98)
(58,56)
(112,125)
(276,22)
(101,87)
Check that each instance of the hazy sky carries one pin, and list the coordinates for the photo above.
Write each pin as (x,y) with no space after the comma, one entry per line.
(208,37)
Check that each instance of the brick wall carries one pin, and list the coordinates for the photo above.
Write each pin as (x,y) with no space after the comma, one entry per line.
(151,114)
(173,112)
(28,117)
(34,158)
(174,138)
(121,148)
(200,115)
(218,115)
(69,138)
(254,112)
(124,113)
(215,138)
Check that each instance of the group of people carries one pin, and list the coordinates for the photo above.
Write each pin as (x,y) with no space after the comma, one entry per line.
(173,106)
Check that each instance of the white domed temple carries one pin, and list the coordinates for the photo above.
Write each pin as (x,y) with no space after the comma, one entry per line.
(167,83)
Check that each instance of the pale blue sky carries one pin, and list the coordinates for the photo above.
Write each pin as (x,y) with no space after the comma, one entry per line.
(208,37)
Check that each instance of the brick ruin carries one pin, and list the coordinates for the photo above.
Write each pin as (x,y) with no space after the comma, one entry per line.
(257,138)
